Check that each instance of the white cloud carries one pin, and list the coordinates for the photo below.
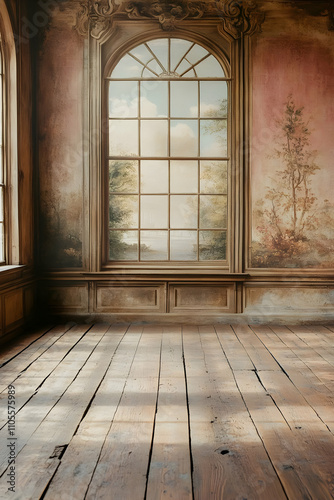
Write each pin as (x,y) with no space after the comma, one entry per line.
(206,110)
(183,140)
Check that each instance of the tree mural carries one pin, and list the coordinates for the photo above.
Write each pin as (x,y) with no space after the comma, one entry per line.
(289,215)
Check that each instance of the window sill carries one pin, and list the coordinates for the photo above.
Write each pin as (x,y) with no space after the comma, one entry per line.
(10,273)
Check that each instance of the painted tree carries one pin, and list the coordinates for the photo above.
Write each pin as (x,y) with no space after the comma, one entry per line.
(288,210)
(294,191)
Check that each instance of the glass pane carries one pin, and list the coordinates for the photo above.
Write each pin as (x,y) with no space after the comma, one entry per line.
(123,211)
(184,99)
(154,176)
(214,177)
(160,50)
(123,138)
(154,245)
(183,176)
(123,245)
(1,205)
(123,99)
(184,140)
(214,138)
(212,245)
(154,138)
(123,176)
(213,99)
(154,99)
(178,49)
(183,245)
(210,67)
(185,69)
(1,166)
(2,253)
(196,54)
(1,112)
(154,212)
(183,211)
(127,68)
(213,211)
(142,53)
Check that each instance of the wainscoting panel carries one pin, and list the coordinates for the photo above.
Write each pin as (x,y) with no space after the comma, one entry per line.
(129,297)
(194,298)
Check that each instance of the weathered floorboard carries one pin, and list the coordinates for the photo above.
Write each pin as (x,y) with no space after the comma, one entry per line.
(145,412)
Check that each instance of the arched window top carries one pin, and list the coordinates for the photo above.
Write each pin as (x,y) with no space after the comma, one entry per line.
(168,58)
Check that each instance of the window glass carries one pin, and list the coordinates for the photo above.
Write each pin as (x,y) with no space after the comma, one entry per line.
(168,154)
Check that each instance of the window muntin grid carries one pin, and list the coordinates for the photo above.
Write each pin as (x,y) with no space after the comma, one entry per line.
(168,154)
(2,172)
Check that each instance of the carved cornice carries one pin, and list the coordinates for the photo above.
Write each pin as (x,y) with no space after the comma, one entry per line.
(238,16)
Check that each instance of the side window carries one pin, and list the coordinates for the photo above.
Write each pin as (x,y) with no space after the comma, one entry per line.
(2,165)
(168,155)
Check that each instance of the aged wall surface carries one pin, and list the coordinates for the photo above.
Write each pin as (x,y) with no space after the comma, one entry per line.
(60,140)
(283,211)
(292,144)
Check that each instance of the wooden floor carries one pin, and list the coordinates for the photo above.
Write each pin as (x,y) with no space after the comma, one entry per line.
(148,412)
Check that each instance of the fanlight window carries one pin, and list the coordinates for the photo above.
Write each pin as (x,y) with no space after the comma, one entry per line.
(168,154)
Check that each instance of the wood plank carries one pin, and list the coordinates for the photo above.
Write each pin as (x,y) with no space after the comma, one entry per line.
(316,343)
(78,463)
(124,460)
(170,468)
(318,396)
(255,349)
(291,457)
(62,421)
(18,345)
(228,457)
(12,370)
(46,397)
(318,365)
(319,441)
(235,352)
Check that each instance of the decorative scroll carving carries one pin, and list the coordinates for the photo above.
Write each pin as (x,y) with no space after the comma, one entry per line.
(237,16)
(167,13)
(95,17)
(240,17)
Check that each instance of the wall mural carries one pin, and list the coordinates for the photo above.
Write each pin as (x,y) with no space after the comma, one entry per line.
(61,145)
(292,166)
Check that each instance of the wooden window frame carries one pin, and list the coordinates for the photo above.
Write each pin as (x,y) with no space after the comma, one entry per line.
(102,54)
(169,157)
(10,138)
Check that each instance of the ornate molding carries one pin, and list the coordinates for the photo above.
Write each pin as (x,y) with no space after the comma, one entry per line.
(167,13)
(238,16)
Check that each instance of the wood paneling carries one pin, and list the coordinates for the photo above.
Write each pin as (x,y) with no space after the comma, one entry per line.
(70,297)
(130,298)
(198,297)
(13,303)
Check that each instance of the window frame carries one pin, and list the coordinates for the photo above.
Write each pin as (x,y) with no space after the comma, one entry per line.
(3,238)
(10,140)
(220,52)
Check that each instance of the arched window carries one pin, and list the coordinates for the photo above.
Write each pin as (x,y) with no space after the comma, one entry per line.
(168,154)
